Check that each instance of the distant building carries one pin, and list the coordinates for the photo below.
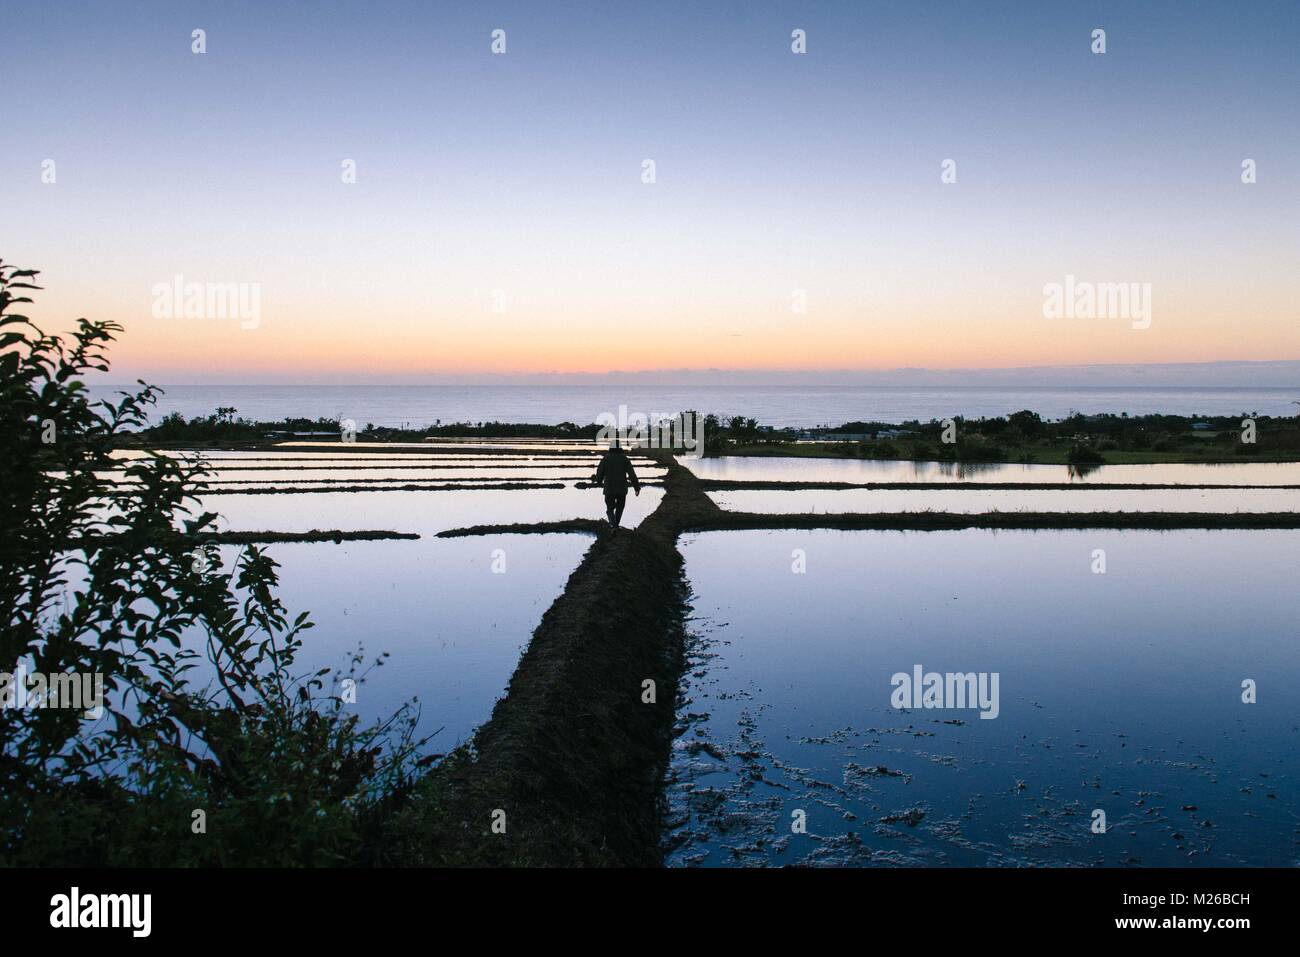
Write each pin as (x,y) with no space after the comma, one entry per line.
(1201,426)
(856,436)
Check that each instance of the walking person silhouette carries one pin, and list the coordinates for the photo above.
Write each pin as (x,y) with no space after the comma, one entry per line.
(613,475)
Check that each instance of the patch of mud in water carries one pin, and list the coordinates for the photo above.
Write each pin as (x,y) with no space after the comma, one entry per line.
(1120,693)
(729,794)
(914,793)
(740,796)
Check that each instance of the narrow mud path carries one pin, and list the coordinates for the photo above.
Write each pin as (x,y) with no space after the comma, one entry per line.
(945,521)
(568,769)
(733,485)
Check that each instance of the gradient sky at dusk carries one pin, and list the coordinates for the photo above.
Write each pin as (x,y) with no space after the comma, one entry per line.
(776,172)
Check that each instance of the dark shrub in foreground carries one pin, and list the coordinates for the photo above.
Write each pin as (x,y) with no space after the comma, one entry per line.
(257,766)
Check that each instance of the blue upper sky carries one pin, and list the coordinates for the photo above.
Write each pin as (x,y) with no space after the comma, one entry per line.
(775,172)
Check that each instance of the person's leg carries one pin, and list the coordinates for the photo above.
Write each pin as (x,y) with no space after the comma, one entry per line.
(618,508)
(609,508)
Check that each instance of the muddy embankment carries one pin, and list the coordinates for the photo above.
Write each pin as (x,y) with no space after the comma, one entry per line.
(335,535)
(217,488)
(944,521)
(568,769)
(733,485)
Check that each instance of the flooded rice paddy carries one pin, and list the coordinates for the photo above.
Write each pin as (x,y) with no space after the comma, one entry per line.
(804,469)
(454,628)
(453,614)
(1118,692)
(1090,499)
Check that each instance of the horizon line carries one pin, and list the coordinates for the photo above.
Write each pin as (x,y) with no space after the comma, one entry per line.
(1134,374)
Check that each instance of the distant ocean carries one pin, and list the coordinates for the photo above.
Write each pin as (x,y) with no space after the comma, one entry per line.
(416,405)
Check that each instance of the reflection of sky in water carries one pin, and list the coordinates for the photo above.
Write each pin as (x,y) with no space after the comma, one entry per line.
(424,512)
(366,450)
(390,476)
(292,468)
(571,473)
(1030,500)
(776,469)
(454,629)
(1118,691)
(253,457)
(237,459)
(430,470)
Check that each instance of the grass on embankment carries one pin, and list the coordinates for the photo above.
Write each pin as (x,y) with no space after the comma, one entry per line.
(737,485)
(570,763)
(586,526)
(938,521)
(1014,455)
(334,535)
(574,754)
(315,535)
(217,488)
(723,520)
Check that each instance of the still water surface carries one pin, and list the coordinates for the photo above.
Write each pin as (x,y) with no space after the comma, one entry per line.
(796,469)
(1119,692)
(1100,499)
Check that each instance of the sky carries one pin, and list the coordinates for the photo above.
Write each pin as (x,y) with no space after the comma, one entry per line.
(499,222)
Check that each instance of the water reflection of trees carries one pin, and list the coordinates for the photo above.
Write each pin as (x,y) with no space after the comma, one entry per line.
(990,470)
(964,470)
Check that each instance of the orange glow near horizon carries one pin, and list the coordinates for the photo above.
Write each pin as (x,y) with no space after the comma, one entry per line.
(382,211)
(300,345)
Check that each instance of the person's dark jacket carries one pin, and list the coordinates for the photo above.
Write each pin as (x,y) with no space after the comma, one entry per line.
(615,472)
